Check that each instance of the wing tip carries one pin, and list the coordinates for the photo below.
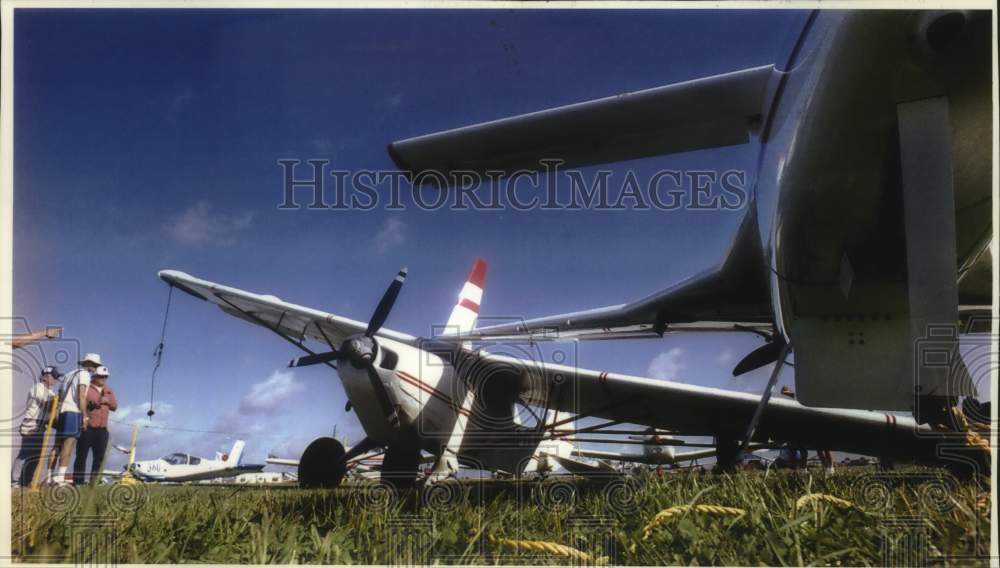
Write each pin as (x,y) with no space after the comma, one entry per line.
(171,276)
(400,162)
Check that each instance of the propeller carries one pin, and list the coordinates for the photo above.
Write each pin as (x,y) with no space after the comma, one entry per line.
(763,355)
(385,304)
(360,350)
(314,359)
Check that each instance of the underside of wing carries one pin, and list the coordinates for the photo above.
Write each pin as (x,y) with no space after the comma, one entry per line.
(291,320)
(716,111)
(695,410)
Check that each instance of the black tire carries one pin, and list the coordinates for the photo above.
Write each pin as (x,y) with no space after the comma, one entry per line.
(322,465)
(727,455)
(399,468)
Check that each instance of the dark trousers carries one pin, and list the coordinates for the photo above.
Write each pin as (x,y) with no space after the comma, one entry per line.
(92,441)
(29,454)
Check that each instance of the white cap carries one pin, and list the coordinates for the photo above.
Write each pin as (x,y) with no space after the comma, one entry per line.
(101,371)
(93,358)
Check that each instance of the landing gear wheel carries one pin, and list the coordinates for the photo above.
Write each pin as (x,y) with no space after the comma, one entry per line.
(727,455)
(322,465)
(399,468)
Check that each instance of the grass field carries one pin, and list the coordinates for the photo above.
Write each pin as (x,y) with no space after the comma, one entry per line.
(912,515)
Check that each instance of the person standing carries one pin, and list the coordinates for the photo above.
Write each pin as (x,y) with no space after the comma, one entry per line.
(70,421)
(99,402)
(35,422)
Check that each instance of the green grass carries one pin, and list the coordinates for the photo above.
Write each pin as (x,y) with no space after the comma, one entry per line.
(179,524)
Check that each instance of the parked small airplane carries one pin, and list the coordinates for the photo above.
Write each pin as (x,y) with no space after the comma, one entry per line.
(868,223)
(179,467)
(657,449)
(441,396)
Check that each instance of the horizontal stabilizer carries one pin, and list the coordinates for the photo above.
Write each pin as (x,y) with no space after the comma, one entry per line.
(710,112)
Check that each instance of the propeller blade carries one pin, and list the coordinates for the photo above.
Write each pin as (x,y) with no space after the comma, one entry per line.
(314,359)
(763,355)
(385,304)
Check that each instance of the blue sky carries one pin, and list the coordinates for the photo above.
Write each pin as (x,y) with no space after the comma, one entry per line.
(147,140)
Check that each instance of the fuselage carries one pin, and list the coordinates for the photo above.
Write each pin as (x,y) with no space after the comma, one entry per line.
(160,470)
(828,182)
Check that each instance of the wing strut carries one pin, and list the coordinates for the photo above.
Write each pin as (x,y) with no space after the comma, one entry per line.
(766,395)
(276,329)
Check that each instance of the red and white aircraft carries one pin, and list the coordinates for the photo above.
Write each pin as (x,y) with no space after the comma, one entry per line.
(459,403)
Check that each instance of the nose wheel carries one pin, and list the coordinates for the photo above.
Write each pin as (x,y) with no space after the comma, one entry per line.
(322,465)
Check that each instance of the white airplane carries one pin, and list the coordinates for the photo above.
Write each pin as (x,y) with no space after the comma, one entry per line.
(178,467)
(657,449)
(868,224)
(559,451)
(458,403)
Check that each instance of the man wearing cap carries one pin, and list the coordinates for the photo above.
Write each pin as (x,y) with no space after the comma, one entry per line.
(34,423)
(70,422)
(98,402)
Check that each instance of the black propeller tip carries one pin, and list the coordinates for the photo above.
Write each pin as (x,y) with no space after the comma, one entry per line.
(385,304)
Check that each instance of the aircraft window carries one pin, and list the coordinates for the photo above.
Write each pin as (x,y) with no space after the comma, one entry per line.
(176,459)
(195,461)
(389,359)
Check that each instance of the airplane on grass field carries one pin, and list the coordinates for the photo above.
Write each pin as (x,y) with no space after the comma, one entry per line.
(868,223)
(458,403)
(181,467)
(656,450)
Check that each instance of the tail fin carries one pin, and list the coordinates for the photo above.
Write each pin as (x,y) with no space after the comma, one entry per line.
(463,316)
(237,453)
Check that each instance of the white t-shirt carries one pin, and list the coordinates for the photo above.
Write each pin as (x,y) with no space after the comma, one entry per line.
(70,391)
(35,411)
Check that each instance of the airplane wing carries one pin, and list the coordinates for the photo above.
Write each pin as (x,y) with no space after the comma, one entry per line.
(112,472)
(695,410)
(290,320)
(643,458)
(730,296)
(578,467)
(720,110)
(282,461)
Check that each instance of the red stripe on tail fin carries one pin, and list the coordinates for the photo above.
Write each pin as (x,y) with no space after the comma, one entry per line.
(477,275)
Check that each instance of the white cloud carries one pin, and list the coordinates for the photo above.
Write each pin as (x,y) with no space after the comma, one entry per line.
(271,395)
(134,412)
(198,225)
(391,234)
(667,365)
